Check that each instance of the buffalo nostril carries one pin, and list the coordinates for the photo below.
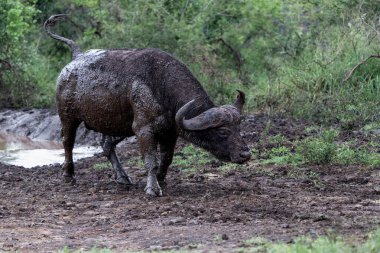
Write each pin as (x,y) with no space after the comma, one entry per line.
(245,155)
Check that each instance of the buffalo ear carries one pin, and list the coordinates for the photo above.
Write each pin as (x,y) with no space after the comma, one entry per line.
(240,101)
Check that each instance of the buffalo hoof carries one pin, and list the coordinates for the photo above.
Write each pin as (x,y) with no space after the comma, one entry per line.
(124,180)
(154,192)
(69,180)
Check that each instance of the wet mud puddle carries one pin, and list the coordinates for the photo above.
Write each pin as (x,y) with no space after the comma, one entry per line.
(26,152)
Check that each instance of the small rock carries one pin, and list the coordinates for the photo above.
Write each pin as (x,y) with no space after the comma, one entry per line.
(192,246)
(176,220)
(132,140)
(8,245)
(92,190)
(70,204)
(211,175)
(193,222)
(320,217)
(155,247)
(198,177)
(123,230)
(313,233)
(225,237)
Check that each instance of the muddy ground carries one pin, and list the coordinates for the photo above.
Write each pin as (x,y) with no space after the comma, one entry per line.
(210,210)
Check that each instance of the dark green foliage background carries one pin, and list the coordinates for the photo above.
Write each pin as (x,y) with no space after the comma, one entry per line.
(288,56)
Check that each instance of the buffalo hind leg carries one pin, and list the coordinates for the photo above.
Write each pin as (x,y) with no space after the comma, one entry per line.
(69,129)
(166,157)
(109,145)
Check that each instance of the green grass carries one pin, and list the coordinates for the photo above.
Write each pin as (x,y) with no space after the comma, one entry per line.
(188,159)
(322,244)
(191,158)
(305,175)
(102,166)
(227,168)
(322,148)
(135,161)
(372,126)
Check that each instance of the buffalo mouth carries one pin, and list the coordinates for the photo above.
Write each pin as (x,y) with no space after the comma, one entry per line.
(239,158)
(242,157)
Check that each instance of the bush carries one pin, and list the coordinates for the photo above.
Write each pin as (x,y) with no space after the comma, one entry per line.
(318,150)
(345,155)
(310,84)
(370,159)
(288,56)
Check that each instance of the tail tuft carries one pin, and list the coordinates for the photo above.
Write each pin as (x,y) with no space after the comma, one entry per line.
(54,18)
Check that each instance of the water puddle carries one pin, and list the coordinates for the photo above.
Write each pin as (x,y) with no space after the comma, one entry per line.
(28,153)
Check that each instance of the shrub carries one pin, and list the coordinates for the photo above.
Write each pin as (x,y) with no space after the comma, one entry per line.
(345,155)
(318,150)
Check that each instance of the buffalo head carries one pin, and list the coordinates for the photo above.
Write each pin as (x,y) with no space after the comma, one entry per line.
(217,130)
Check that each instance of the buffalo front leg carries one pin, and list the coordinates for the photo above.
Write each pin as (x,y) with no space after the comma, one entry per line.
(109,145)
(166,157)
(69,129)
(150,162)
(148,146)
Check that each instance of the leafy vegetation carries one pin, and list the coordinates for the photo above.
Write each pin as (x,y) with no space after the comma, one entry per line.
(320,148)
(289,56)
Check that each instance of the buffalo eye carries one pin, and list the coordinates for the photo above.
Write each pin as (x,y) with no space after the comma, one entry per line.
(223,132)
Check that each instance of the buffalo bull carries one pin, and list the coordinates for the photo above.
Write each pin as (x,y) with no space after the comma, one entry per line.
(143,92)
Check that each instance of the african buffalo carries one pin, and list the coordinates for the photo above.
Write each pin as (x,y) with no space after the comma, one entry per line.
(144,92)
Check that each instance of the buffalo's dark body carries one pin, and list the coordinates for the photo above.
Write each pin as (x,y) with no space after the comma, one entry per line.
(106,88)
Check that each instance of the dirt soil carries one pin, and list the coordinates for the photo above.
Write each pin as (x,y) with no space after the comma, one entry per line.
(212,211)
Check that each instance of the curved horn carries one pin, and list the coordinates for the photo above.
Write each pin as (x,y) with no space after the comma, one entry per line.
(207,119)
(240,101)
(211,118)
(181,113)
